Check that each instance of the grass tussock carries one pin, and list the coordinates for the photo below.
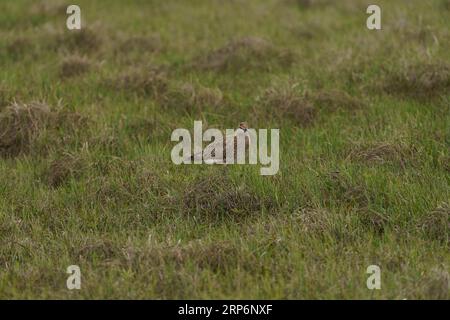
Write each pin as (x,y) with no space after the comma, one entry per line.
(333,100)
(321,223)
(151,81)
(340,189)
(436,224)
(309,30)
(216,195)
(445,163)
(19,125)
(437,283)
(148,128)
(142,127)
(97,249)
(373,220)
(84,41)
(384,152)
(63,168)
(218,256)
(126,183)
(194,98)
(416,31)
(49,8)
(315,221)
(75,65)
(422,81)
(22,125)
(446,4)
(5,97)
(244,54)
(142,44)
(286,101)
(18,47)
(309,4)
(108,140)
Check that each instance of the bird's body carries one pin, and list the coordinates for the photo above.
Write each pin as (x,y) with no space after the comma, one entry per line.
(231,141)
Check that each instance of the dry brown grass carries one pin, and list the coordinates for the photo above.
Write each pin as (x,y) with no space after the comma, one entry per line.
(49,8)
(102,249)
(149,128)
(339,188)
(216,195)
(143,127)
(445,163)
(384,152)
(84,41)
(108,139)
(74,65)
(425,80)
(21,126)
(18,47)
(193,98)
(305,3)
(446,4)
(373,220)
(286,101)
(322,224)
(316,221)
(124,182)
(4,97)
(144,44)
(436,223)
(415,30)
(309,30)
(318,5)
(333,100)
(151,81)
(308,4)
(437,283)
(218,256)
(63,168)
(244,54)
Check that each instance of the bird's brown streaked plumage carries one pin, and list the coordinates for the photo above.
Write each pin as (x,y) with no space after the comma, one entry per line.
(210,149)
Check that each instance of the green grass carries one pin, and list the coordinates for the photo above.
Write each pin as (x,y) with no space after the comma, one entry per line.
(365,139)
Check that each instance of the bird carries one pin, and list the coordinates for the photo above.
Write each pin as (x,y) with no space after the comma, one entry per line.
(209,153)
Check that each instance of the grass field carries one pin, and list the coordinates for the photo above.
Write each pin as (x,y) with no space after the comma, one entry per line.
(86,177)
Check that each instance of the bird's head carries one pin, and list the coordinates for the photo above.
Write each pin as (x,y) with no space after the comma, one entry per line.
(243,126)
